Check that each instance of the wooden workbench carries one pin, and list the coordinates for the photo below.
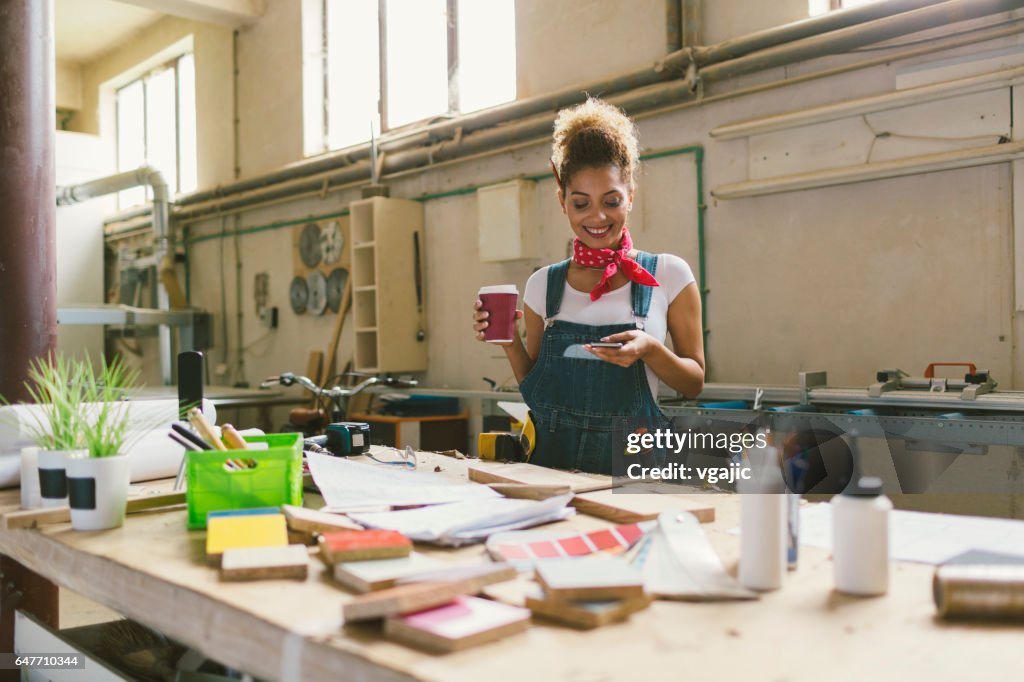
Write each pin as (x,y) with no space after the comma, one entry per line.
(153,570)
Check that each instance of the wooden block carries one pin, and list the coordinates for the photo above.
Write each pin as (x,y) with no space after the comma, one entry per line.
(362,545)
(589,579)
(257,530)
(461,624)
(33,518)
(585,614)
(262,563)
(621,507)
(304,520)
(426,591)
(521,472)
(524,491)
(366,576)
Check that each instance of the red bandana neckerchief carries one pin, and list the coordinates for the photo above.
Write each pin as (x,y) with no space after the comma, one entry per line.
(613,260)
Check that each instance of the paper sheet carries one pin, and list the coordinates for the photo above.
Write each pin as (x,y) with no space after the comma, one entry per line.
(922,537)
(678,562)
(347,485)
(465,522)
(518,411)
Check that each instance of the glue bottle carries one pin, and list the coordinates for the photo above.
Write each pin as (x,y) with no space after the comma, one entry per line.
(762,522)
(860,538)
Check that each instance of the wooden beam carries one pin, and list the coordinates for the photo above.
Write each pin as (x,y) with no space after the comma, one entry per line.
(232,13)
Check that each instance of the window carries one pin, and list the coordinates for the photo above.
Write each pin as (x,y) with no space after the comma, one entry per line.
(156,125)
(391,63)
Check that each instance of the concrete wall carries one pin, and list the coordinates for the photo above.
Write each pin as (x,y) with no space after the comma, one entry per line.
(850,279)
(212,48)
(69,86)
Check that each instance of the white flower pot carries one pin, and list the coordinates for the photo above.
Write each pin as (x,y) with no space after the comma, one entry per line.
(98,491)
(53,484)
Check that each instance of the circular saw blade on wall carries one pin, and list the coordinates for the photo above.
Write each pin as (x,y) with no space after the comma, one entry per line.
(298,295)
(333,242)
(317,285)
(336,288)
(310,247)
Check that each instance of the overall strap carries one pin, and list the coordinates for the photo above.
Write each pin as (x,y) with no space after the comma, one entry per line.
(556,288)
(641,294)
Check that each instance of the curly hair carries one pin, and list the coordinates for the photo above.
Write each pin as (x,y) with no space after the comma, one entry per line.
(592,135)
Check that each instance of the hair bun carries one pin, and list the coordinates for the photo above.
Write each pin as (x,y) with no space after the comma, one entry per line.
(594,134)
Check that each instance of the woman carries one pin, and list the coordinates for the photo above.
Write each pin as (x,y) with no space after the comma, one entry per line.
(608,293)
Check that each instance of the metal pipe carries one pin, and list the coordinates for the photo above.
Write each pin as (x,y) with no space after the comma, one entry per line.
(852,37)
(673,25)
(635,101)
(672,67)
(805,28)
(163,238)
(691,20)
(28,285)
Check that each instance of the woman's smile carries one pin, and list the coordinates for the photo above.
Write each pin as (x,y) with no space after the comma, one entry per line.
(598,231)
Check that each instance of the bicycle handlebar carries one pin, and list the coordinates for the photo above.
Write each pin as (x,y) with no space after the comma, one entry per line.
(289,379)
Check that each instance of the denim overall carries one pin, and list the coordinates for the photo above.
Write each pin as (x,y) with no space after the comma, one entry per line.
(577,403)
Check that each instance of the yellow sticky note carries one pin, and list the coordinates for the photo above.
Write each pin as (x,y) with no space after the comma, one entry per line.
(259,530)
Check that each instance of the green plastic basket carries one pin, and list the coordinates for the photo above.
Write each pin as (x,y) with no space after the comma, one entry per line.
(275,480)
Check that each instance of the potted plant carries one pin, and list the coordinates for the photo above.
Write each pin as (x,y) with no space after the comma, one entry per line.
(98,477)
(57,385)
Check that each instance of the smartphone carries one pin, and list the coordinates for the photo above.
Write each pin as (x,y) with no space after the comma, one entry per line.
(606,344)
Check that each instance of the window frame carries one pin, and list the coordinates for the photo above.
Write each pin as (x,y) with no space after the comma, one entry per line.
(171,64)
(453,80)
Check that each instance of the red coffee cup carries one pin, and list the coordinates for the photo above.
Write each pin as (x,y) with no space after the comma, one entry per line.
(500,301)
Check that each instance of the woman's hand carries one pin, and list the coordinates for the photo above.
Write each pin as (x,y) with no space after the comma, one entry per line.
(636,345)
(480,322)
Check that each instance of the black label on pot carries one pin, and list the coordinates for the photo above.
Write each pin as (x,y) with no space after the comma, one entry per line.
(53,483)
(82,493)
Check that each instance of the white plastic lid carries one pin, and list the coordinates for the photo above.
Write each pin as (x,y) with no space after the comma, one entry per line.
(500,289)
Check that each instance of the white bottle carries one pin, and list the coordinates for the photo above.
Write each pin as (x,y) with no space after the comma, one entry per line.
(860,538)
(762,522)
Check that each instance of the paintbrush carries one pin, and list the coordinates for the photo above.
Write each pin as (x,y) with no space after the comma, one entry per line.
(187,434)
(233,438)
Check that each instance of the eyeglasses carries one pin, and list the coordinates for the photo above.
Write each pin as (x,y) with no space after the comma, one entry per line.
(406,457)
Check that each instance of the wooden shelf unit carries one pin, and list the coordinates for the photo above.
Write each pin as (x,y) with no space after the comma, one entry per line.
(384,305)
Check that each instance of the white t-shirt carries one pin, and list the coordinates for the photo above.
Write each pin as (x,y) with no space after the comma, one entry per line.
(615,307)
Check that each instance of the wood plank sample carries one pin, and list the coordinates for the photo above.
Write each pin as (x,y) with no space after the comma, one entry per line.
(525,491)
(461,624)
(436,588)
(362,545)
(623,507)
(33,518)
(584,614)
(303,520)
(263,563)
(366,576)
(521,472)
(258,530)
(589,579)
